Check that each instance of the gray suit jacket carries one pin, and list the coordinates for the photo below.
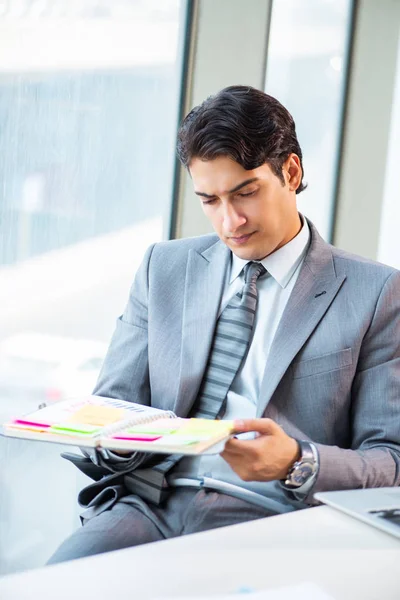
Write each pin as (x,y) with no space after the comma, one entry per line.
(333,373)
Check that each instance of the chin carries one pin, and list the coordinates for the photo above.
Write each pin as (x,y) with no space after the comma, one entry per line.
(246,254)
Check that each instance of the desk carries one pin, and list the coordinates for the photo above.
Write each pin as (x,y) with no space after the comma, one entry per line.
(346,558)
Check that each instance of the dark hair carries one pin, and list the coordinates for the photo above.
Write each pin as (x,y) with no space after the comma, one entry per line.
(244,124)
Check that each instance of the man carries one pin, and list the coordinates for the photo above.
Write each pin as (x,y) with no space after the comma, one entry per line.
(263,323)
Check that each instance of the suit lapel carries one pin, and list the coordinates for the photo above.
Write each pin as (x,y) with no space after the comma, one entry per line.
(204,284)
(314,291)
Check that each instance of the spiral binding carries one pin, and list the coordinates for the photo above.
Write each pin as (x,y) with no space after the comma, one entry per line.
(116,427)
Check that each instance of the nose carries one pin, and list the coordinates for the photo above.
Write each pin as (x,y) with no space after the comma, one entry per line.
(232,219)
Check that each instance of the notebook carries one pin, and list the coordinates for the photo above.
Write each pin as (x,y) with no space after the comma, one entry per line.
(97,421)
(379,507)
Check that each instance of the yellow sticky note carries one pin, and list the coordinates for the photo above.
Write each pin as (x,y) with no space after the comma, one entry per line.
(97,415)
(207,426)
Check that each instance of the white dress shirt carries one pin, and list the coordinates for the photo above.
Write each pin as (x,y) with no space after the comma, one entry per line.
(274,289)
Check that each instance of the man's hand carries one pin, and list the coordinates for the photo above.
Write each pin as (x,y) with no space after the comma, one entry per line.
(269,456)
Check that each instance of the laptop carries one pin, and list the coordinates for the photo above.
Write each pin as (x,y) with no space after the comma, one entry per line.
(379,507)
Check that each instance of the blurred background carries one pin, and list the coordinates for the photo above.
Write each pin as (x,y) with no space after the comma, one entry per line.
(91,94)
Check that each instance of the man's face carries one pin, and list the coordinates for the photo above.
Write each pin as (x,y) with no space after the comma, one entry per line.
(252,212)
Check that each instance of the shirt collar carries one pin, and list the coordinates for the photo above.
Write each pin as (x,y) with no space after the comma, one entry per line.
(282,263)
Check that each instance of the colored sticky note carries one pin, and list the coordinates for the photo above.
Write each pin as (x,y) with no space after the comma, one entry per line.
(149,430)
(161,426)
(31,423)
(207,426)
(100,416)
(75,429)
(138,438)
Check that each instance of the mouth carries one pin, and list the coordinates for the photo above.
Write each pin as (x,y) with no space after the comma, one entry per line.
(241,239)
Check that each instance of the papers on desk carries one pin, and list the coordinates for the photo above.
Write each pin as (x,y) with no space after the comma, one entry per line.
(302,591)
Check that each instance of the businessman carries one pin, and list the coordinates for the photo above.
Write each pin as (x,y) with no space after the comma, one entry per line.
(262,322)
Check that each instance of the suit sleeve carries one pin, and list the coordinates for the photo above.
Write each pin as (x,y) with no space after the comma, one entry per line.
(374,457)
(125,371)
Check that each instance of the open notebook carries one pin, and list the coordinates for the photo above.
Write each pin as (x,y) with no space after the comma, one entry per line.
(96,421)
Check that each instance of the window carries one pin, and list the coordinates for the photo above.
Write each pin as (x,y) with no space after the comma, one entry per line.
(306,71)
(89,97)
(389,244)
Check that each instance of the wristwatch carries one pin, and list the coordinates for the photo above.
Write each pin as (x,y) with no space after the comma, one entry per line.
(303,468)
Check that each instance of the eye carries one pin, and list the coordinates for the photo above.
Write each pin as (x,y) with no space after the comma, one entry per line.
(246,194)
(207,202)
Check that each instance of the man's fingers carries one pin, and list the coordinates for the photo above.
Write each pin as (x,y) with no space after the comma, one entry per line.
(242,447)
(234,446)
(263,426)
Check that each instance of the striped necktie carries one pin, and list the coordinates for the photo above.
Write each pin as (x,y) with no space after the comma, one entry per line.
(232,338)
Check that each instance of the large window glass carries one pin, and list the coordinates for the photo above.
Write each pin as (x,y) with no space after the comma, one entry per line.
(306,71)
(389,240)
(89,95)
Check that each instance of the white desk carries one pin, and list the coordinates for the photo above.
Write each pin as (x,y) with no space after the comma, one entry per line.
(346,558)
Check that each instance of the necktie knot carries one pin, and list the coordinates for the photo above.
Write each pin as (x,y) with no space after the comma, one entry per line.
(252,271)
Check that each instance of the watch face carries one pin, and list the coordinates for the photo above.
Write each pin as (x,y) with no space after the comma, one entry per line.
(302,473)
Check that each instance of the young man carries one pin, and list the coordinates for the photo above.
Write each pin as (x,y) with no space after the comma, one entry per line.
(263,323)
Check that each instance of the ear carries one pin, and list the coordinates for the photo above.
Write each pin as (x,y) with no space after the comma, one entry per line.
(292,171)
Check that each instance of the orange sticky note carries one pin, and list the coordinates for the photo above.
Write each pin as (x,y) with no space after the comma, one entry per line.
(97,415)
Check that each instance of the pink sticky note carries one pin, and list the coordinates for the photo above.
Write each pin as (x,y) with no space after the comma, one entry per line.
(31,423)
(137,438)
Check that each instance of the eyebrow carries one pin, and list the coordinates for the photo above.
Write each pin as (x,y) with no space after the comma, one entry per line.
(232,191)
